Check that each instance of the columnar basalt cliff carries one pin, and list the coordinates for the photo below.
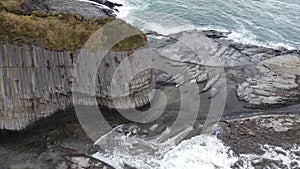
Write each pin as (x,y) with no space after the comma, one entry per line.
(132,93)
(35,83)
(37,64)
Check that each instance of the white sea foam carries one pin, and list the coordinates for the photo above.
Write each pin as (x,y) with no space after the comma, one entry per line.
(244,37)
(288,158)
(165,25)
(95,3)
(122,148)
(202,151)
(247,37)
(162,25)
(125,9)
(167,29)
(168,24)
(132,150)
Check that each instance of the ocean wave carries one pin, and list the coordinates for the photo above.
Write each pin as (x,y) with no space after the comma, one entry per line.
(95,3)
(129,6)
(250,39)
(134,12)
(202,151)
(160,28)
(122,147)
(289,158)
(243,36)
(125,9)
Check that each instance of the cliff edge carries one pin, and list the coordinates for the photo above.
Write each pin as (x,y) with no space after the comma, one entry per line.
(40,44)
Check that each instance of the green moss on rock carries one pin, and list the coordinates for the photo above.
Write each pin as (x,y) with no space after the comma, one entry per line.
(58,31)
(123,35)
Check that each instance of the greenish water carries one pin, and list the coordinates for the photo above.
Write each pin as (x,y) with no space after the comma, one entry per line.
(270,23)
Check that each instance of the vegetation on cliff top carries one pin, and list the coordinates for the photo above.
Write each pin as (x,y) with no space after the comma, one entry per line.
(11,5)
(56,31)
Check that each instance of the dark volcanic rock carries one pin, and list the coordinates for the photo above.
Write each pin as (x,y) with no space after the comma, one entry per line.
(264,77)
(78,7)
(108,3)
(248,134)
(78,161)
(215,34)
(34,5)
(59,142)
(71,6)
(275,84)
(270,141)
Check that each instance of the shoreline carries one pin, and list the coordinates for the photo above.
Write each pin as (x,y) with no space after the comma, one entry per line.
(225,35)
(121,10)
(63,135)
(286,108)
(231,35)
(59,141)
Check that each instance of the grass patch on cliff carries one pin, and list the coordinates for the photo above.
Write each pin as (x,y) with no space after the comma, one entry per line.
(117,35)
(59,31)
(11,5)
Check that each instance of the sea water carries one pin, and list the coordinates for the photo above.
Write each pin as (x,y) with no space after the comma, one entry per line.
(270,23)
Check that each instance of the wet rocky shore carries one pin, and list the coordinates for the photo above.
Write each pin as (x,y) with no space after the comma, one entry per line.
(264,140)
(260,77)
(56,142)
(261,114)
(60,142)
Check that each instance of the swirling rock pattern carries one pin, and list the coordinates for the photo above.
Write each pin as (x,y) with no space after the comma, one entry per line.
(261,77)
(277,82)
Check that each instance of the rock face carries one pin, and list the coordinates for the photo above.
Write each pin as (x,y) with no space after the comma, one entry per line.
(35,83)
(58,142)
(134,93)
(37,76)
(81,161)
(98,10)
(277,82)
(264,140)
(79,7)
(260,77)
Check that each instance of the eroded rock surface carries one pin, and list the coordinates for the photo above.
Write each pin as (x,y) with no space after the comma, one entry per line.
(89,9)
(57,143)
(81,162)
(261,76)
(80,7)
(265,141)
(276,83)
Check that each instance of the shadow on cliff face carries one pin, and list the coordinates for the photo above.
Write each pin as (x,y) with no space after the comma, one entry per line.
(55,142)
(44,145)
